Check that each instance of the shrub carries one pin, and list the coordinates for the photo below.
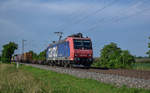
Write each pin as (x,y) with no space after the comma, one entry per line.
(113,57)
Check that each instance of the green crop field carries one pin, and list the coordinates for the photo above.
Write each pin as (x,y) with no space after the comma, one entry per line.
(141,66)
(27,79)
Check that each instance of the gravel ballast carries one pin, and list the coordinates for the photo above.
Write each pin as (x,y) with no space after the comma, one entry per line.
(106,78)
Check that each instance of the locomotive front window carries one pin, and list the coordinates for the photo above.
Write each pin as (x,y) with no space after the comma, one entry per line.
(87,44)
(82,44)
(78,44)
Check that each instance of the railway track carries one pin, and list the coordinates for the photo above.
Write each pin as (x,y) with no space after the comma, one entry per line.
(141,74)
(121,72)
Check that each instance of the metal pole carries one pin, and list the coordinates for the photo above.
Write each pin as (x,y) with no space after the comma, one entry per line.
(22,52)
(23,47)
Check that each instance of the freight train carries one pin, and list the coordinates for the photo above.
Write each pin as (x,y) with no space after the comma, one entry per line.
(73,50)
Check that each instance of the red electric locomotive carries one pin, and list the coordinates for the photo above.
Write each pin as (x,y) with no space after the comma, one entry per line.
(73,50)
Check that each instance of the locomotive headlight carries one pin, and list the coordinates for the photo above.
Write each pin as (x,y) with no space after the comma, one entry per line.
(76,55)
(77,59)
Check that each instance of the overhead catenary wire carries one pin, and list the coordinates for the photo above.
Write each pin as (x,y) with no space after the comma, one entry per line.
(80,10)
(103,19)
(87,16)
(100,20)
(129,16)
(117,19)
(126,17)
(72,14)
(99,10)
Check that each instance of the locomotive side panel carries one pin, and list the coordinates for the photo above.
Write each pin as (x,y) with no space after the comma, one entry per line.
(59,51)
(51,52)
(64,50)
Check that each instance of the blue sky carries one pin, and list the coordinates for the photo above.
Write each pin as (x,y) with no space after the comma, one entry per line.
(125,22)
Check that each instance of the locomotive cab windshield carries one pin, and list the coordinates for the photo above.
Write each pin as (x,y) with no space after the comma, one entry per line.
(82,44)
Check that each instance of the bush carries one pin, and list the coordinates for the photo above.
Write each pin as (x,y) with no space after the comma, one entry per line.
(127,59)
(96,62)
(113,57)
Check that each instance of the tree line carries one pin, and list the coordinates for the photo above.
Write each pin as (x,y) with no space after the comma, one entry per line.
(40,56)
(9,49)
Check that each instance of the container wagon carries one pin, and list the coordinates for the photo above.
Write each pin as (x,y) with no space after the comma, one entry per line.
(24,58)
(27,57)
(73,50)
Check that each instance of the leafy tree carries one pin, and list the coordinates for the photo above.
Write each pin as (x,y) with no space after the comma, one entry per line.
(113,57)
(126,59)
(148,52)
(96,62)
(34,55)
(8,51)
(42,55)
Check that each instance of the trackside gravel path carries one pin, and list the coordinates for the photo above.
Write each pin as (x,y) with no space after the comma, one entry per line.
(106,78)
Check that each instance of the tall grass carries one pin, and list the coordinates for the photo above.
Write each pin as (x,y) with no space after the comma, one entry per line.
(27,79)
(14,80)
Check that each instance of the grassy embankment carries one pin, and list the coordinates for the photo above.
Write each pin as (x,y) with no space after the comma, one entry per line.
(27,79)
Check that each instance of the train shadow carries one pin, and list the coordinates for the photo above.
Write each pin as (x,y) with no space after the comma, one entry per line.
(89,67)
(102,68)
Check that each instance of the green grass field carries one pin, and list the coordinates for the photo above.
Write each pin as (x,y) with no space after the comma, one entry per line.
(141,66)
(27,79)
